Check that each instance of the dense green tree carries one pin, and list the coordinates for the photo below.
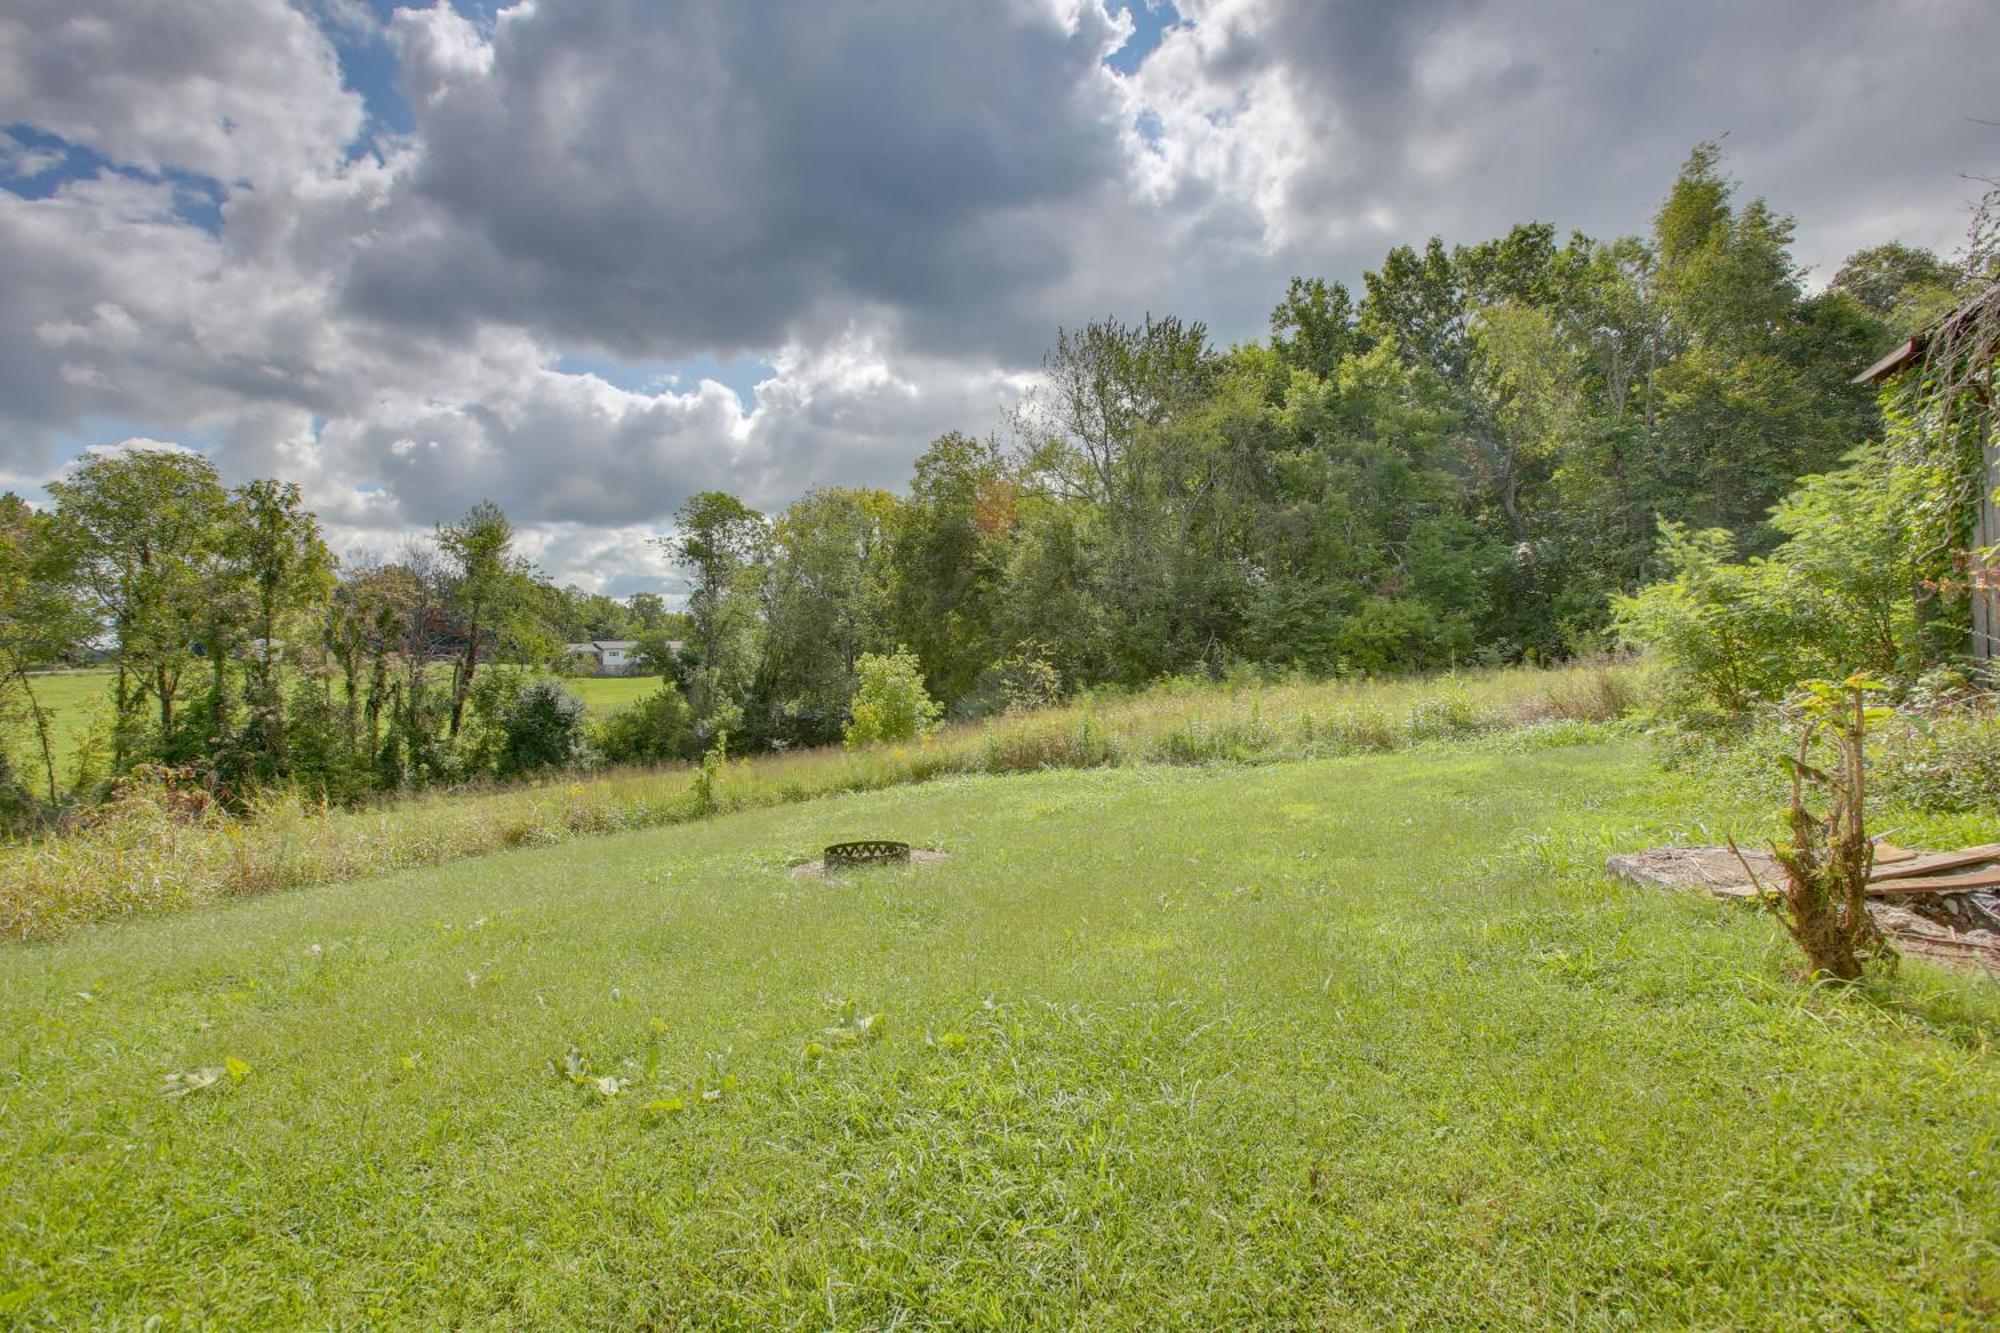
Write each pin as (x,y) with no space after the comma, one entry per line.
(826,601)
(1906,286)
(290,573)
(948,557)
(144,525)
(479,549)
(723,544)
(1315,327)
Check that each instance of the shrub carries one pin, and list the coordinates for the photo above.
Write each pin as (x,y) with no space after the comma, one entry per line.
(1948,763)
(482,744)
(1823,902)
(658,728)
(544,728)
(1842,592)
(891,703)
(1444,717)
(17,806)
(1729,634)
(324,761)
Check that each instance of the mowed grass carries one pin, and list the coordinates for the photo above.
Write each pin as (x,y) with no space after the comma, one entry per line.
(1362,1042)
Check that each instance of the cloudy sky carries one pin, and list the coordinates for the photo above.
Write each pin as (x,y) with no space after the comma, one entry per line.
(584,257)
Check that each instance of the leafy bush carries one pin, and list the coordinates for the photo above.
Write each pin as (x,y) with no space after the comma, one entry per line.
(1021,682)
(545,728)
(1386,634)
(325,761)
(1730,634)
(1444,717)
(658,728)
(490,702)
(891,703)
(1841,593)
(1948,763)
(17,806)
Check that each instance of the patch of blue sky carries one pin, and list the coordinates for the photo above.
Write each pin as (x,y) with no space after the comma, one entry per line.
(368,68)
(740,374)
(35,164)
(1150,21)
(30,479)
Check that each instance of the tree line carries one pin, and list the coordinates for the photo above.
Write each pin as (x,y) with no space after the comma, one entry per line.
(1480,457)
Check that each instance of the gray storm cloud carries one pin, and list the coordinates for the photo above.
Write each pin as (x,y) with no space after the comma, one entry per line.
(893,205)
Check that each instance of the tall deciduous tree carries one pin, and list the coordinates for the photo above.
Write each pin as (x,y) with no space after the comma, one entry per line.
(479,549)
(826,602)
(144,525)
(289,571)
(722,543)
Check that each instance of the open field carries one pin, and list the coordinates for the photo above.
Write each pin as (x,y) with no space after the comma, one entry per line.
(1361,1042)
(146,855)
(70,696)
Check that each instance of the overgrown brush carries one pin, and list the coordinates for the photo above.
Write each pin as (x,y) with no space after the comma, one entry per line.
(159,846)
(1824,902)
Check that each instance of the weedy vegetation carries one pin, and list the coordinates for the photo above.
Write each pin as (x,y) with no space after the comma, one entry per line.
(160,846)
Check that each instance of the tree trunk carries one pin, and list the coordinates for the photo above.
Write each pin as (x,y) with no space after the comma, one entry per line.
(471,664)
(120,702)
(1982,571)
(267,684)
(41,729)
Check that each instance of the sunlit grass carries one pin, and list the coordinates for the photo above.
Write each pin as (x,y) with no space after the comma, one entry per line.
(1363,1042)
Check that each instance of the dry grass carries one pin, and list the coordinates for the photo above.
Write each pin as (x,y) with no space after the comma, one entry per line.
(146,853)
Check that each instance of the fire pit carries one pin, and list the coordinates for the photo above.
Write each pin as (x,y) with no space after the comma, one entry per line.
(869,852)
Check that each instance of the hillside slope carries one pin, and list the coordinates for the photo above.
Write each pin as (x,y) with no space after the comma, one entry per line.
(1352,1041)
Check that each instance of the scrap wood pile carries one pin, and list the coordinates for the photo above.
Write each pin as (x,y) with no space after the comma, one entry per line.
(1943,906)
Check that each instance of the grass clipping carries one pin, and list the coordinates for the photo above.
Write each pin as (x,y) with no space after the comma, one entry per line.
(1824,901)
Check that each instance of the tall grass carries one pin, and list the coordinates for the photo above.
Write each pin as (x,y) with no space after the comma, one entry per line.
(147,852)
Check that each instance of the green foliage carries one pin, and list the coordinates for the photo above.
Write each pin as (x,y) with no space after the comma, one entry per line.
(658,728)
(545,728)
(722,542)
(1906,286)
(1949,761)
(1469,464)
(890,702)
(1729,633)
(1848,587)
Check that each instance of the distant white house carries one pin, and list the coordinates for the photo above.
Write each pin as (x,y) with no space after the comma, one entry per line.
(604,657)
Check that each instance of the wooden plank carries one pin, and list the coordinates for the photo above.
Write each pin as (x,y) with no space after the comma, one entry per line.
(1967,881)
(1925,865)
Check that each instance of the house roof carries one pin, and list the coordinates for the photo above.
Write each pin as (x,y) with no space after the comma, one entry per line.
(600,645)
(1947,329)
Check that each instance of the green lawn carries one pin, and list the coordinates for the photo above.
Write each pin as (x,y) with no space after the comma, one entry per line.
(1361,1042)
(68,697)
(608,694)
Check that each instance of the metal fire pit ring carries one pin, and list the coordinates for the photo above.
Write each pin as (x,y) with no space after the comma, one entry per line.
(868,852)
